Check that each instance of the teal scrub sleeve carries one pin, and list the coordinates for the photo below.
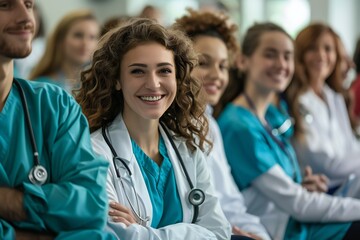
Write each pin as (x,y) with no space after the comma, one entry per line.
(89,234)
(75,196)
(6,230)
(247,152)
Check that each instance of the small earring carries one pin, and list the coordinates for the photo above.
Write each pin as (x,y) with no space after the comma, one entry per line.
(118,86)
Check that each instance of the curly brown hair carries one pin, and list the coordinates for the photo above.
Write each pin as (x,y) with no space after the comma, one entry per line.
(215,24)
(101,102)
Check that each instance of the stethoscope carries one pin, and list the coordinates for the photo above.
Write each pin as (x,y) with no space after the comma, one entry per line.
(196,196)
(274,133)
(283,128)
(38,174)
(306,114)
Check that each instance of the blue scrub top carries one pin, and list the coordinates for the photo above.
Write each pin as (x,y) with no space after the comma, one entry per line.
(73,201)
(251,152)
(249,148)
(161,184)
(278,115)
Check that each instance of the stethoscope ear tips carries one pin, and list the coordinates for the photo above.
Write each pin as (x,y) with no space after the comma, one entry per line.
(196,197)
(38,175)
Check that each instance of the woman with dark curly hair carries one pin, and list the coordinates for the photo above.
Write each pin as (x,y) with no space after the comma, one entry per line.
(147,119)
(214,40)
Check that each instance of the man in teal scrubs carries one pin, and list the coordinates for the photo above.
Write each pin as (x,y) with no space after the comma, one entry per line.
(71,203)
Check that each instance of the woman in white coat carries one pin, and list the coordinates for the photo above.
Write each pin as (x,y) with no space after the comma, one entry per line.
(214,40)
(144,112)
(323,135)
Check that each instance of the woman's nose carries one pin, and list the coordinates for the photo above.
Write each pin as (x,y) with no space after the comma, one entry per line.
(152,81)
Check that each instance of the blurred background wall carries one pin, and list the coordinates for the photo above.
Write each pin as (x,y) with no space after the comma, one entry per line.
(293,15)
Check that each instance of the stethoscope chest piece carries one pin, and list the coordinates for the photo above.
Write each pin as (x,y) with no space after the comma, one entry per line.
(308,118)
(38,175)
(196,197)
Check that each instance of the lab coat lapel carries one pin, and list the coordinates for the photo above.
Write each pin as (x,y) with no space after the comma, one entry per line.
(119,133)
(181,181)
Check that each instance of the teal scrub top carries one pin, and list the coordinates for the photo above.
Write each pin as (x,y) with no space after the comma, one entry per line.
(73,201)
(161,184)
(46,79)
(249,148)
(251,152)
(278,116)
(59,82)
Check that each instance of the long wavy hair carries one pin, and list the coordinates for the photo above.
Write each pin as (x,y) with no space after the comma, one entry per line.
(53,56)
(101,102)
(249,45)
(304,41)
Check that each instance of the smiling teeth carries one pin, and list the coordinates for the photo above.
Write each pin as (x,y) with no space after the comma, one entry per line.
(151,98)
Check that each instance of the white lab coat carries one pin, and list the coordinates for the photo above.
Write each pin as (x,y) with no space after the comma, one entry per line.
(211,222)
(274,196)
(231,200)
(330,146)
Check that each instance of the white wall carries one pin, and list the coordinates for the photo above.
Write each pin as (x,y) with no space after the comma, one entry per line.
(342,18)
(251,11)
(54,10)
(342,15)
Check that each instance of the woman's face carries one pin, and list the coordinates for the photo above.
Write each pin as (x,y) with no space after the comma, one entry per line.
(213,66)
(80,42)
(271,65)
(148,81)
(320,58)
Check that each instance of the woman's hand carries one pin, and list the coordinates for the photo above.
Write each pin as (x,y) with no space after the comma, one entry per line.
(315,182)
(120,213)
(238,231)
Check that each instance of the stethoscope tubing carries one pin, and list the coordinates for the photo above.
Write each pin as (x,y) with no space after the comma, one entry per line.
(38,174)
(196,196)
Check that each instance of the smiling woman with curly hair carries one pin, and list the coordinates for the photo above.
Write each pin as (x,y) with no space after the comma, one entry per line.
(147,120)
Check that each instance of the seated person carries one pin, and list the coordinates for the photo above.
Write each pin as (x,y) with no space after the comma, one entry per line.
(145,113)
(51,183)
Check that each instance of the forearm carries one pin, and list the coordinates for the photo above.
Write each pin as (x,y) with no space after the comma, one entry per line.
(322,159)
(30,235)
(56,207)
(179,231)
(254,228)
(11,207)
(315,207)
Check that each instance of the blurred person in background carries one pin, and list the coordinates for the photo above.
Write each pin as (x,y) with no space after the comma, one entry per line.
(152,12)
(113,22)
(68,50)
(323,136)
